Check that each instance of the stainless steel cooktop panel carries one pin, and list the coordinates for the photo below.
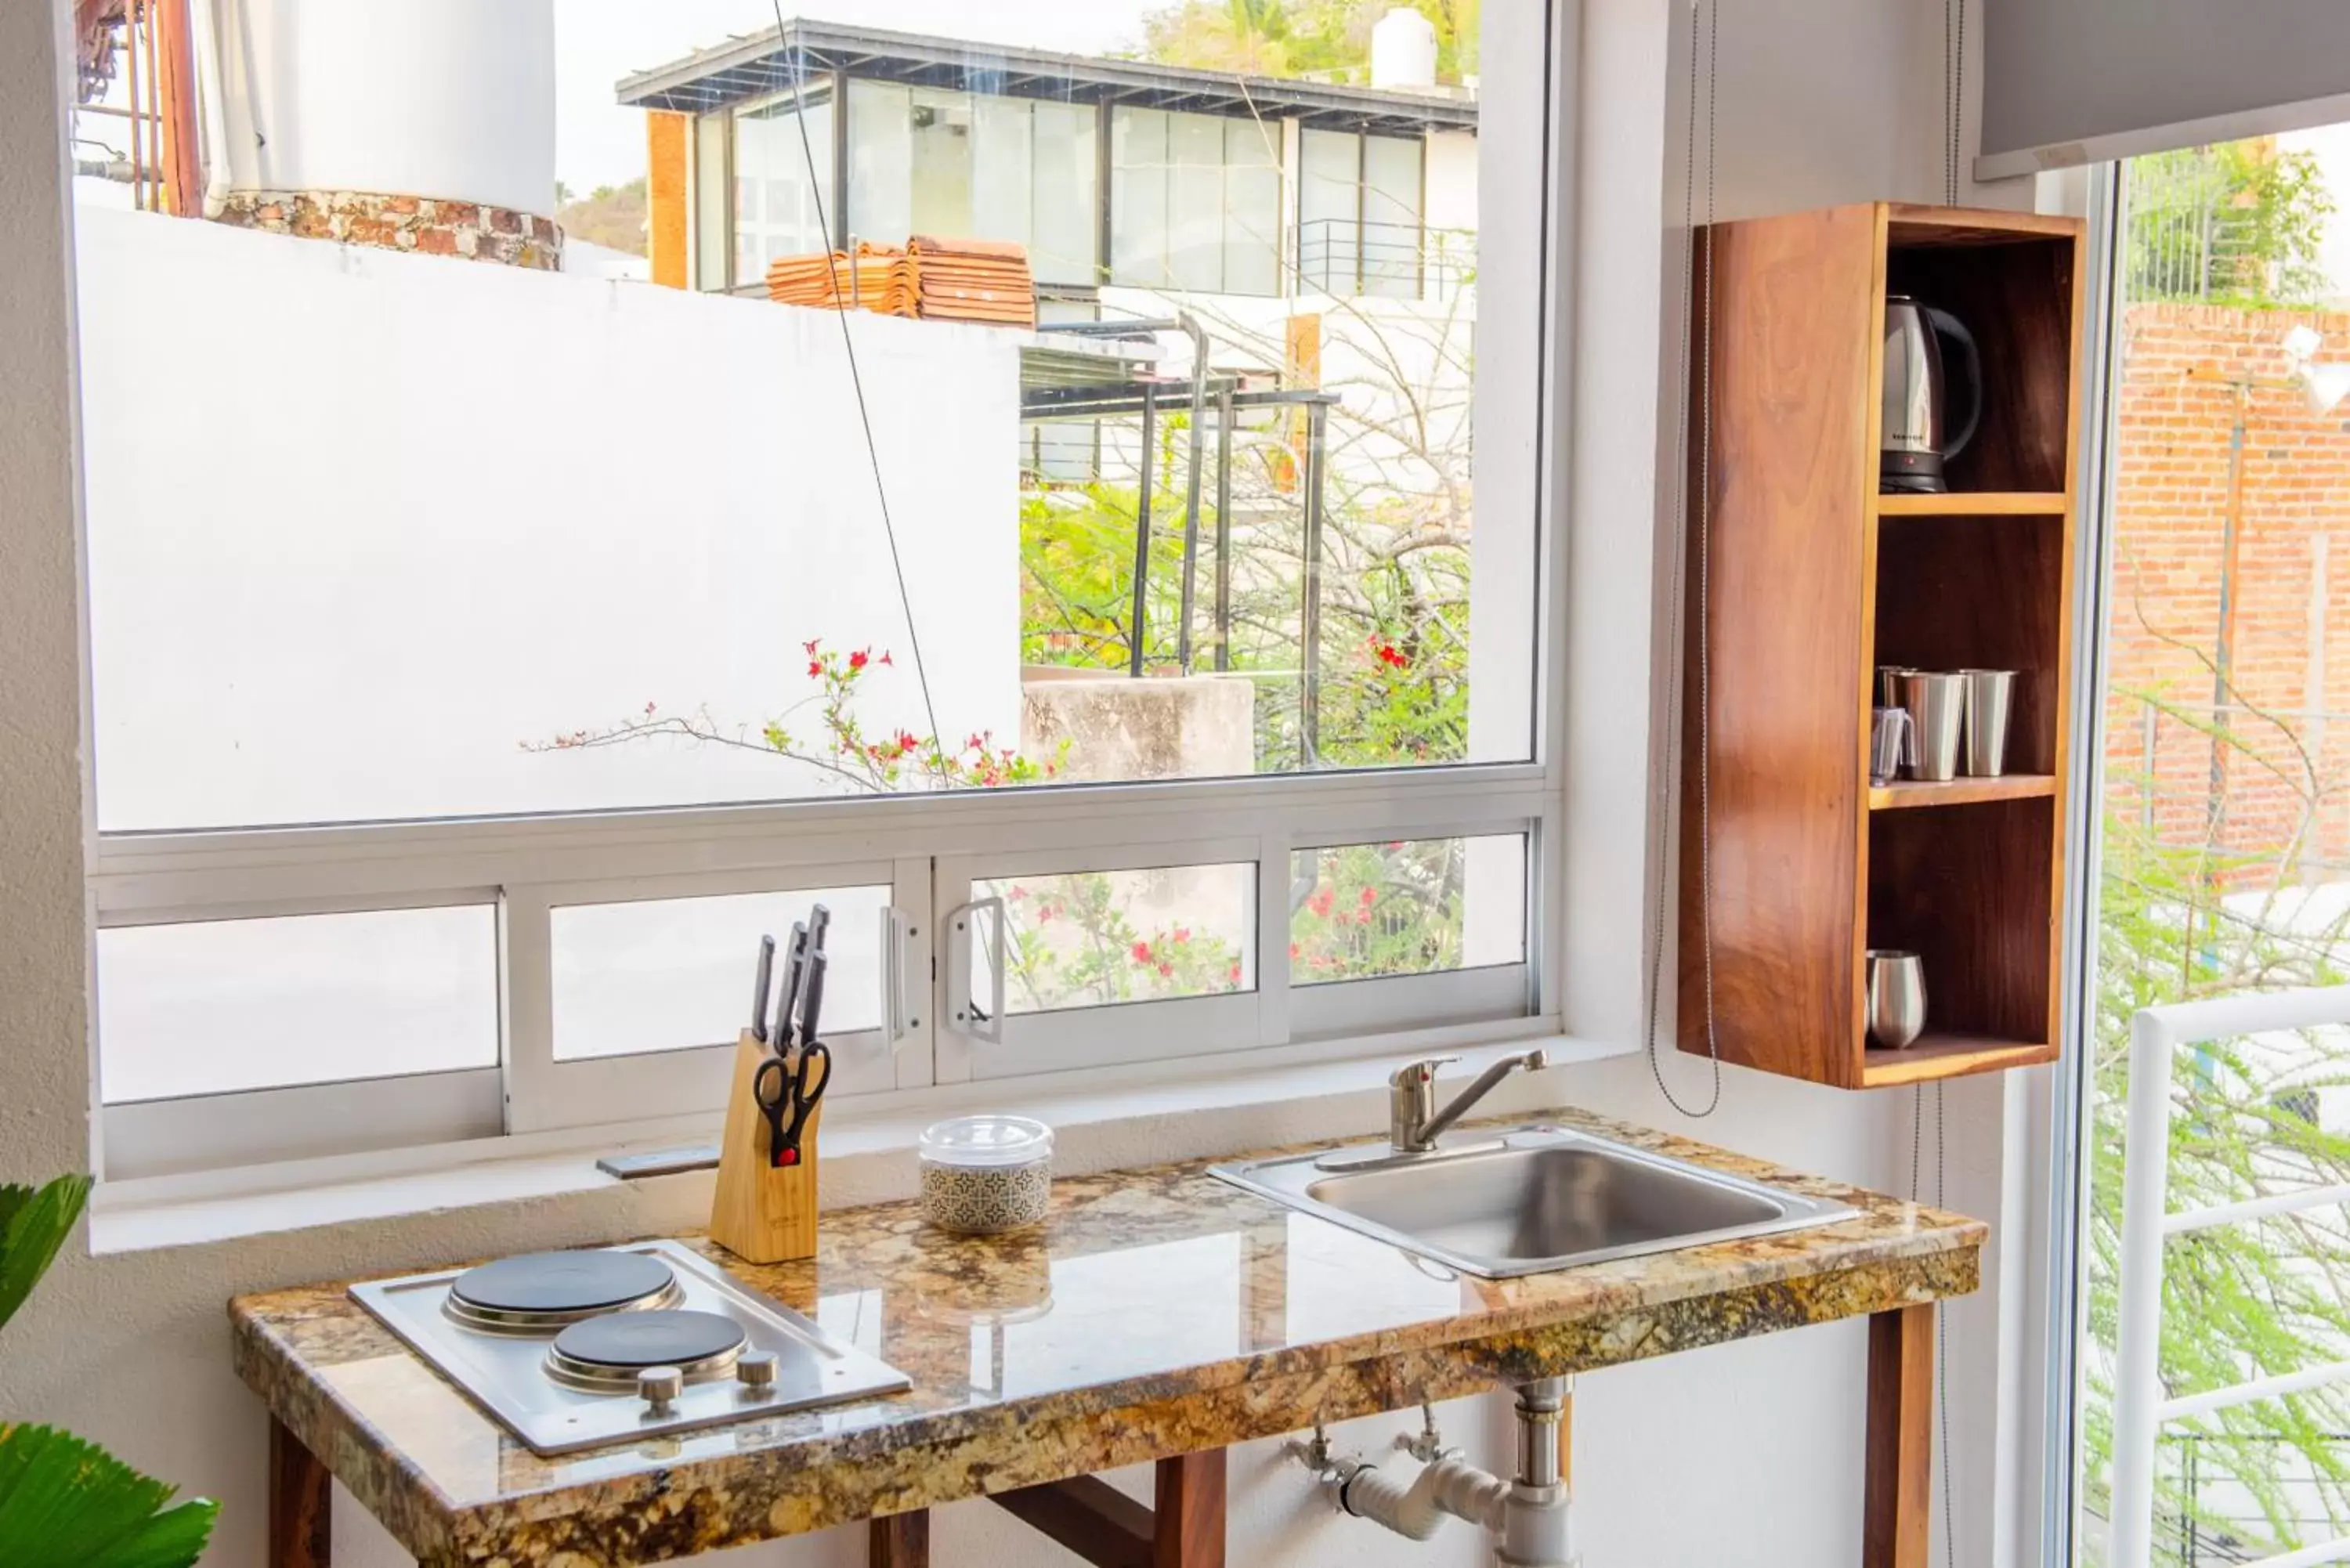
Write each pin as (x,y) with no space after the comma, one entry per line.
(506,1374)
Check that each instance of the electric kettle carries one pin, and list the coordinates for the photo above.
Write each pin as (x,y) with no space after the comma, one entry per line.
(1916,425)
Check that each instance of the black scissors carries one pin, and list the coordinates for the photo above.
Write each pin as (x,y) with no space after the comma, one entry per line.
(788,1085)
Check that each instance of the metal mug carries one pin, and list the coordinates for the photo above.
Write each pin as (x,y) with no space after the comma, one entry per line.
(1896,997)
(1889,683)
(1937,704)
(1891,744)
(1989,696)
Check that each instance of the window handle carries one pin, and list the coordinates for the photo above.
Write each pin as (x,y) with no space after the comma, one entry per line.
(967,1015)
(900,1014)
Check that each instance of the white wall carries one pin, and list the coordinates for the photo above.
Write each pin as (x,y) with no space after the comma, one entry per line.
(1748,1455)
(361,524)
(430,98)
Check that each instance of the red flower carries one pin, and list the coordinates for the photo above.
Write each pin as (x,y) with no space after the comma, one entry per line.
(1368,897)
(1292,950)
(815,670)
(811,645)
(1182,933)
(1166,969)
(885,657)
(1234,976)
(1142,952)
(858,660)
(1387,655)
(906,741)
(1018,892)
(1320,902)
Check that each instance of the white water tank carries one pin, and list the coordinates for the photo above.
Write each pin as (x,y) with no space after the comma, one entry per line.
(453,99)
(1403,50)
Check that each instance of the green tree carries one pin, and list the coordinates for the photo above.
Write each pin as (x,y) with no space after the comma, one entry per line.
(2239,223)
(1330,39)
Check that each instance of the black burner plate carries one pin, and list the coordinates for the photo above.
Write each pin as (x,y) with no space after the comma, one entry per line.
(637,1339)
(562,1282)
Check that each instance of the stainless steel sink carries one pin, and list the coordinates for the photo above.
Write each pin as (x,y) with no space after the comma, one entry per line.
(1528,1199)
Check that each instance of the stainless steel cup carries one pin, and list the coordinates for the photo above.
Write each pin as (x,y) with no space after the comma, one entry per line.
(1889,744)
(1896,997)
(1989,692)
(1889,683)
(1937,704)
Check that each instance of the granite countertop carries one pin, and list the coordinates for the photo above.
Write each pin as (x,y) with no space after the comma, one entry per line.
(1156,1312)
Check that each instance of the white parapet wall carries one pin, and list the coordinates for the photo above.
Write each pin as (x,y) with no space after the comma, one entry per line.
(363,526)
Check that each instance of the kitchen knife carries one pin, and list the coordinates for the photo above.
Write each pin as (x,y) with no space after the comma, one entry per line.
(819,922)
(811,998)
(795,970)
(760,988)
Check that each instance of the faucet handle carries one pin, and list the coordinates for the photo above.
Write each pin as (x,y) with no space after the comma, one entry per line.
(1415,1074)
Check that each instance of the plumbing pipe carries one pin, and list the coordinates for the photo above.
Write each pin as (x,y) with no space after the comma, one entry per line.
(211,96)
(1449,1486)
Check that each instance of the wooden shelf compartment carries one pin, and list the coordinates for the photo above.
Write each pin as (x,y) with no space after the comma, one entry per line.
(1910,794)
(2012,287)
(1932,1057)
(1817,577)
(1973,504)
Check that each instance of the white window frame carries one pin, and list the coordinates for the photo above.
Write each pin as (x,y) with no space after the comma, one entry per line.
(923,845)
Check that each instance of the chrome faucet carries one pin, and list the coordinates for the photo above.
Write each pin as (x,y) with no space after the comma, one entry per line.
(1414,1123)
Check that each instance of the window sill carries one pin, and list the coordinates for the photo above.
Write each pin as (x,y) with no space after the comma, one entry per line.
(1102,1119)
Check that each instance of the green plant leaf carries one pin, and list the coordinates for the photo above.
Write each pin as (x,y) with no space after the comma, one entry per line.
(66,1502)
(33,1225)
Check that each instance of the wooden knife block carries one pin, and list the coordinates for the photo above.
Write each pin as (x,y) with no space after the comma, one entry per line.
(760,1213)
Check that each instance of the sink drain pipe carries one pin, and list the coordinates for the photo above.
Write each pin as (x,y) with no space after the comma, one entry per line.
(1528,1514)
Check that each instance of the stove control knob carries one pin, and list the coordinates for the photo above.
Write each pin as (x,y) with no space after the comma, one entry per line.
(658,1387)
(756,1371)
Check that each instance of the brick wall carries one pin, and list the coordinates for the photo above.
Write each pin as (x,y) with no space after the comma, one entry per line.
(2291,591)
(468,230)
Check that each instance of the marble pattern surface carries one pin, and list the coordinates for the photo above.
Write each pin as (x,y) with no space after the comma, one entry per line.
(1155,1311)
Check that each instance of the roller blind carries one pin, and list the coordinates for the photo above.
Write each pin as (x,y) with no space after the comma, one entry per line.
(2080,81)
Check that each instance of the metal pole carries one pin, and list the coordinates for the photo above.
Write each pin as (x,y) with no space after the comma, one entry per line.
(1191,488)
(1309,630)
(1137,624)
(1224,530)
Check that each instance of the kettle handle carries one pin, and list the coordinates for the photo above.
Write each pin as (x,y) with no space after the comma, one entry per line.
(1949,327)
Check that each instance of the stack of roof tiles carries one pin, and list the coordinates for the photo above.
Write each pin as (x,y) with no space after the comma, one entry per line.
(932,280)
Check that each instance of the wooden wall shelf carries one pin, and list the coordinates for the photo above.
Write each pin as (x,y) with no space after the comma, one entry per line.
(1817,578)
(1979,503)
(1906,794)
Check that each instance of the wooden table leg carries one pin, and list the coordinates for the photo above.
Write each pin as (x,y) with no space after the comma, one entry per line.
(1897,1517)
(1188,1525)
(901,1541)
(300,1514)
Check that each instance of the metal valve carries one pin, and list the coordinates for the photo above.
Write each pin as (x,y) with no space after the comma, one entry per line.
(658,1387)
(755,1370)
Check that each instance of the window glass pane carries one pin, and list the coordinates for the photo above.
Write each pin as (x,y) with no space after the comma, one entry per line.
(1003,168)
(940,127)
(1138,182)
(1410,906)
(660,974)
(1391,228)
(1091,938)
(1066,227)
(776,204)
(711,188)
(880,162)
(205,1009)
(1329,207)
(505,538)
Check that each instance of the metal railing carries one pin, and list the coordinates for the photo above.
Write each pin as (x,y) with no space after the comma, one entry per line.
(1352,258)
(2140,1407)
(2187,236)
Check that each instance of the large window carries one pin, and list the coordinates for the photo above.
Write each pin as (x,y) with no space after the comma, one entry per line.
(1195,201)
(478,672)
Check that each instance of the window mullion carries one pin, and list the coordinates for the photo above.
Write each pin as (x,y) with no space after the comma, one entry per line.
(526,1010)
(1272,940)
